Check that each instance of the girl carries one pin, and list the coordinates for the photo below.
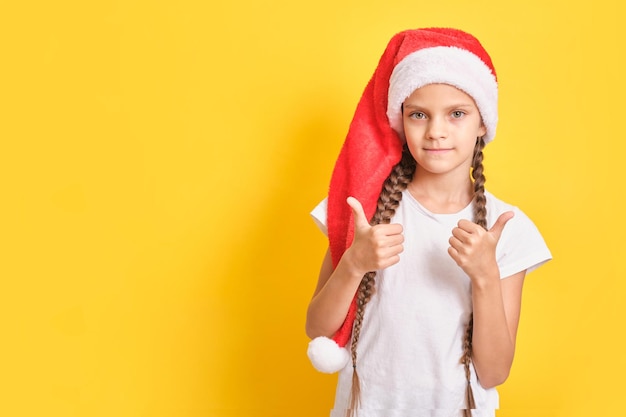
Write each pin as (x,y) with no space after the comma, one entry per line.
(418,298)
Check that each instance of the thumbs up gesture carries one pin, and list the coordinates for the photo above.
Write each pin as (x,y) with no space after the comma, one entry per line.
(374,247)
(474,249)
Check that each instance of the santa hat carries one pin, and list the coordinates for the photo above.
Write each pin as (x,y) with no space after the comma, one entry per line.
(412,59)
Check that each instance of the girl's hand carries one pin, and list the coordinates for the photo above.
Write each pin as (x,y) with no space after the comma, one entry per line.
(374,247)
(474,249)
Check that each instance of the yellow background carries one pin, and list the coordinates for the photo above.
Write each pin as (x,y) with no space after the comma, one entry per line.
(158,161)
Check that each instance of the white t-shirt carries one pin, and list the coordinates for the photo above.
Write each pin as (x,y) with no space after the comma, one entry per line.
(411,337)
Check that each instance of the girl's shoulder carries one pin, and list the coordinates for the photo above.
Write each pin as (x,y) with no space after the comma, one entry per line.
(494,202)
(520,242)
(319,215)
(496,206)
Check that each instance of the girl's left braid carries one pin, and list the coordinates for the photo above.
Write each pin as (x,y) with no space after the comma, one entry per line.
(480,218)
(480,211)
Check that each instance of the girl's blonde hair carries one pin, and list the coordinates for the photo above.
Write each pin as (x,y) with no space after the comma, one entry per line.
(388,201)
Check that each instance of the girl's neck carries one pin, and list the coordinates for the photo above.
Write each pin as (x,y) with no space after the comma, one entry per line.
(441,194)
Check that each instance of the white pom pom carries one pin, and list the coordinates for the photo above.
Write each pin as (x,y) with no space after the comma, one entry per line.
(326,355)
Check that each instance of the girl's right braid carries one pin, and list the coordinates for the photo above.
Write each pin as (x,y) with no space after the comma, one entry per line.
(480,218)
(388,201)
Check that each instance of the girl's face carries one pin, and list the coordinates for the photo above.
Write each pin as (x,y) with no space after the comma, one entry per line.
(441,125)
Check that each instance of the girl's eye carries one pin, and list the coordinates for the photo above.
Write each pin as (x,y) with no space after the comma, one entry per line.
(457,114)
(418,115)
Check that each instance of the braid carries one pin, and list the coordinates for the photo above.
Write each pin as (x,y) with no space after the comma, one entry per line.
(480,218)
(388,201)
(480,211)
(466,360)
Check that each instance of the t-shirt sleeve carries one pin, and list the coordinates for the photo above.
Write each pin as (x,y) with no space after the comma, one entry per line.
(319,215)
(521,246)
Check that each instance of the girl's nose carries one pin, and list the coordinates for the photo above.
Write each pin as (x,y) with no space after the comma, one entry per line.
(437,128)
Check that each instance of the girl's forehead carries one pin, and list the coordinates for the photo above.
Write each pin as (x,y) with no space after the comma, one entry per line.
(439,93)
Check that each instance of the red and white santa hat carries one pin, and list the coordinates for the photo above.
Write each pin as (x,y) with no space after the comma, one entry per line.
(412,59)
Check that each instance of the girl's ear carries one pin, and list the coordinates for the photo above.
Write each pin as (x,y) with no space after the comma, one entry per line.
(482,130)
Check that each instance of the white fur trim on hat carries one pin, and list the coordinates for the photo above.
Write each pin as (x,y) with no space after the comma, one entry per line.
(326,355)
(444,65)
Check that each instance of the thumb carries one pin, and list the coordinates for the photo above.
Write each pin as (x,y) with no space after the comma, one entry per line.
(360,221)
(498,226)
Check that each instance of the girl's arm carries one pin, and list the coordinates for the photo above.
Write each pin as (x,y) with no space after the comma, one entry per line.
(496,302)
(496,305)
(333,295)
(373,248)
